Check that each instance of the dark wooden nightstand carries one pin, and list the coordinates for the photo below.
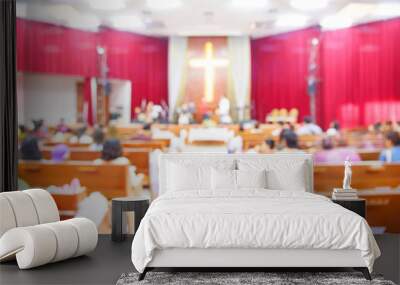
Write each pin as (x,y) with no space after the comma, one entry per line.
(355,205)
(139,205)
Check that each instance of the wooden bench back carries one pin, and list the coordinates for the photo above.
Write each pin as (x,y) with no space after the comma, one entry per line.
(365,176)
(111,180)
(152,144)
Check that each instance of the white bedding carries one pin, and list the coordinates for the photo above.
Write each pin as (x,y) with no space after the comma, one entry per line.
(251,218)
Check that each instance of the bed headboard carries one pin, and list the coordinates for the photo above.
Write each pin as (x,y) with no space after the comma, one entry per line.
(216,158)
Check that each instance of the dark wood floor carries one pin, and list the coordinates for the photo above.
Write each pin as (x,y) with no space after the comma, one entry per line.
(103,266)
(110,260)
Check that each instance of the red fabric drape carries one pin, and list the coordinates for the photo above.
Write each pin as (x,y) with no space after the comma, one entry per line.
(54,49)
(87,99)
(141,59)
(361,74)
(279,72)
(46,48)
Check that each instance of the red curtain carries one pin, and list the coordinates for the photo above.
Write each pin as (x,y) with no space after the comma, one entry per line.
(141,59)
(46,48)
(361,74)
(54,49)
(279,72)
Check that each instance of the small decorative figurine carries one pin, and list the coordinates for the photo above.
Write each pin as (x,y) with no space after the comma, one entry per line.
(347,174)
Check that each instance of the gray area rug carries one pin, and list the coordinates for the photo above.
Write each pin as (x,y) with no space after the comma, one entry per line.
(228,278)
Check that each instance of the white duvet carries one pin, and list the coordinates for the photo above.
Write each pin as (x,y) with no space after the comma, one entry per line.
(250,219)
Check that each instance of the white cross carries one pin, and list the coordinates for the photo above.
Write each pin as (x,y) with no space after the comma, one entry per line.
(209,63)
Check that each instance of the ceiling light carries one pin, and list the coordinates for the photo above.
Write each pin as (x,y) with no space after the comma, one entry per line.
(388,9)
(250,4)
(107,4)
(335,22)
(163,4)
(291,20)
(307,5)
(127,22)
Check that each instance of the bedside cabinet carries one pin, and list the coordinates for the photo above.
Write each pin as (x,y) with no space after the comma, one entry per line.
(356,205)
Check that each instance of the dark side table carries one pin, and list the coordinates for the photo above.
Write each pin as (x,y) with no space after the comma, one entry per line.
(355,205)
(138,205)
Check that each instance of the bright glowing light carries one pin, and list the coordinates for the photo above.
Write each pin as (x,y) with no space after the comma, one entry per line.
(107,4)
(127,22)
(291,21)
(249,4)
(163,4)
(315,41)
(308,5)
(388,9)
(209,63)
(335,22)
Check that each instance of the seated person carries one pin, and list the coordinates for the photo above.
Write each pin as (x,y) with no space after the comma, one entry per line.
(39,131)
(112,153)
(391,153)
(29,149)
(59,137)
(334,155)
(81,137)
(333,129)
(309,128)
(22,133)
(98,140)
(235,145)
(291,142)
(267,147)
(60,153)
(62,127)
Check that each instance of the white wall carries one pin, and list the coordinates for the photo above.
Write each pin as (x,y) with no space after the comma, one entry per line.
(120,99)
(49,97)
(20,97)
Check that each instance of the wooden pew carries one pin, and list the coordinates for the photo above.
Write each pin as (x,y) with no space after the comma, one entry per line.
(109,179)
(365,176)
(369,154)
(53,143)
(152,144)
(128,131)
(309,141)
(383,209)
(138,157)
(252,138)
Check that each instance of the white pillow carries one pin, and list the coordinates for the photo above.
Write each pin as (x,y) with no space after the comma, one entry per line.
(279,180)
(223,179)
(251,178)
(282,174)
(183,177)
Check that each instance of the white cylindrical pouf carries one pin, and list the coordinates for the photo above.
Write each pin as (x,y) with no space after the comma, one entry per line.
(87,234)
(7,218)
(45,205)
(23,208)
(67,240)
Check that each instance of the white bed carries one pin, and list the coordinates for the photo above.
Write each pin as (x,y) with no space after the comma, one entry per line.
(268,218)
